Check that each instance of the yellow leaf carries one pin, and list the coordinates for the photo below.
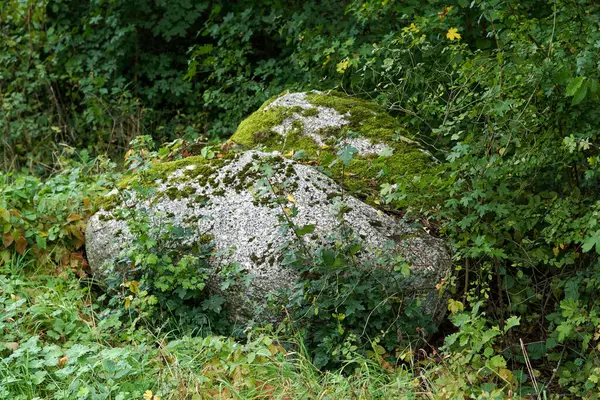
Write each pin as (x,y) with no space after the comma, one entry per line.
(287,211)
(134,287)
(453,34)
(148,395)
(555,251)
(506,374)
(129,154)
(290,198)
(342,66)
(443,14)
(455,306)
(291,153)
(412,28)
(5,214)
(324,147)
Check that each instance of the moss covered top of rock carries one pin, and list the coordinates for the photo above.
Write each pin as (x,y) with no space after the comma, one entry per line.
(195,178)
(314,126)
(311,128)
(195,169)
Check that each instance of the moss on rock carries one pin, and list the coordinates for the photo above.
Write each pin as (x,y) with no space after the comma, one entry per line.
(195,169)
(287,124)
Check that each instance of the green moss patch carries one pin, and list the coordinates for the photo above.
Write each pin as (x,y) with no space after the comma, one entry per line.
(195,169)
(365,118)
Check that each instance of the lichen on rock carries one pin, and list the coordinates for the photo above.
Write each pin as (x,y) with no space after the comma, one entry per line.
(319,123)
(228,200)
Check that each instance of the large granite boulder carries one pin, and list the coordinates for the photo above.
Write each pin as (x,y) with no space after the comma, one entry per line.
(237,201)
(314,126)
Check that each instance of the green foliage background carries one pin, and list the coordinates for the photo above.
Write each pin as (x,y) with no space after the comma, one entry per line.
(510,108)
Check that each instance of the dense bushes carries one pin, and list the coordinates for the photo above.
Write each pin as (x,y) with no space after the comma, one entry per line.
(97,74)
(504,93)
(45,219)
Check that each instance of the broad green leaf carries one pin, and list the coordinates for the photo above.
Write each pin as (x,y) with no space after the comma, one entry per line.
(347,154)
(580,94)
(512,322)
(591,242)
(305,230)
(574,85)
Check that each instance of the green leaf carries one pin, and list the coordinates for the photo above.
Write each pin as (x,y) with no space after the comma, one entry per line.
(109,366)
(352,306)
(564,331)
(264,352)
(38,377)
(213,303)
(496,362)
(386,152)
(403,268)
(347,154)
(41,241)
(580,94)
(461,319)
(305,230)
(299,155)
(152,259)
(574,85)
(489,335)
(451,339)
(207,152)
(591,242)
(203,50)
(512,322)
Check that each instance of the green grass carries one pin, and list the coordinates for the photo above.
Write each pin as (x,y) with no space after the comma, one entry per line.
(58,341)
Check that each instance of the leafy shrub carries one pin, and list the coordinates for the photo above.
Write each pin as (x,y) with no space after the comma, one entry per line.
(512,118)
(45,218)
(342,306)
(505,93)
(157,283)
